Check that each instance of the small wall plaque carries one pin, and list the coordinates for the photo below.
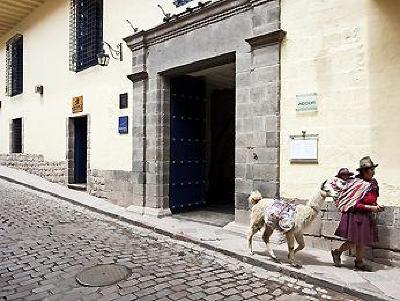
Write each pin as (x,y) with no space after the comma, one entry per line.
(123,101)
(123,125)
(304,149)
(77,104)
(307,102)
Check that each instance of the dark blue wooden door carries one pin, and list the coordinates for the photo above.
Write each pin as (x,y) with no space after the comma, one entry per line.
(188,161)
(80,150)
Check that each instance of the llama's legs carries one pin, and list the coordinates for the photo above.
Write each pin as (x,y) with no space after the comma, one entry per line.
(300,241)
(267,232)
(290,241)
(253,230)
(345,246)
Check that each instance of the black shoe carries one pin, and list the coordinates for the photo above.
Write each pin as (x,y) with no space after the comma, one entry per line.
(361,266)
(336,258)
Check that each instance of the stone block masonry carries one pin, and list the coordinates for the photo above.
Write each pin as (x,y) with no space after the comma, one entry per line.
(53,171)
(320,234)
(114,185)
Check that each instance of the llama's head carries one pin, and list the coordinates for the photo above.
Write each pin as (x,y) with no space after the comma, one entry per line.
(327,190)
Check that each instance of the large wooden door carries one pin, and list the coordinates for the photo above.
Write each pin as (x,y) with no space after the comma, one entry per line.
(188,159)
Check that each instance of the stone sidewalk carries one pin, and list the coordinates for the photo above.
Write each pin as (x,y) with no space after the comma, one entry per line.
(317,264)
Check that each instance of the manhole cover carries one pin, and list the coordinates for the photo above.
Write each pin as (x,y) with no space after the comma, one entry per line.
(103,275)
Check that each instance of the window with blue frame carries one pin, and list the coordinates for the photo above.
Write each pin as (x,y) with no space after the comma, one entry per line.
(14,65)
(86,33)
(181,2)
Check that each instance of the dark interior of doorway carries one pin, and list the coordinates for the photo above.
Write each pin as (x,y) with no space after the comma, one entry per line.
(16,142)
(203,132)
(79,132)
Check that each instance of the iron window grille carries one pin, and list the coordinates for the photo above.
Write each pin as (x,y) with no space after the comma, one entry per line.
(86,33)
(16,132)
(14,65)
(181,2)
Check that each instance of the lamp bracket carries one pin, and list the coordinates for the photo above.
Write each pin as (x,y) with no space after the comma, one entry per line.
(116,54)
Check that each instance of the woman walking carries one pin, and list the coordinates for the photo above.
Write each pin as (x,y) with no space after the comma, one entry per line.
(357,224)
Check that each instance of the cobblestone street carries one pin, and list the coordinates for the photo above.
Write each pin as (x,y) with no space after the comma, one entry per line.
(45,242)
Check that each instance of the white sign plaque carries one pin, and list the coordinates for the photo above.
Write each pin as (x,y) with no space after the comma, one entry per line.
(304,150)
(307,102)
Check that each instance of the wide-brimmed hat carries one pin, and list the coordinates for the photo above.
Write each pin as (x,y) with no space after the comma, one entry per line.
(344,172)
(366,162)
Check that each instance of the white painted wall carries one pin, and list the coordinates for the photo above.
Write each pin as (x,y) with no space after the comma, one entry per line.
(46,54)
(349,53)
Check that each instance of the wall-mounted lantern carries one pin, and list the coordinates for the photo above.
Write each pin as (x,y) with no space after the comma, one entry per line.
(103,58)
(39,89)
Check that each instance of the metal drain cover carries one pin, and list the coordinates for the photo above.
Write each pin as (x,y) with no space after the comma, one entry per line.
(103,275)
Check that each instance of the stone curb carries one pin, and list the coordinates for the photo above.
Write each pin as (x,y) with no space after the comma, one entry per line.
(270,266)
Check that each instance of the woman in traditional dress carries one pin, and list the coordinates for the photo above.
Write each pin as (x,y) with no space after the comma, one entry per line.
(358,224)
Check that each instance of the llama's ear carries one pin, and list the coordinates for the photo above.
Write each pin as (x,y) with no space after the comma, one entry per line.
(323,184)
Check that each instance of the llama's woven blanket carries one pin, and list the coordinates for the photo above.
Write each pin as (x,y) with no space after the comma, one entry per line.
(350,192)
(281,215)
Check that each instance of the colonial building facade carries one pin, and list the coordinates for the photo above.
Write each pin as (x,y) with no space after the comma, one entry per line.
(192,148)
(203,101)
(198,111)
(60,42)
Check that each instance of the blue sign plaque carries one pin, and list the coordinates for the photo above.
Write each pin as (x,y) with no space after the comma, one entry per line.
(181,2)
(123,125)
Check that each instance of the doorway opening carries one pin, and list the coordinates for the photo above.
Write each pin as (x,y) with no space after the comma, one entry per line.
(202,149)
(78,152)
(16,136)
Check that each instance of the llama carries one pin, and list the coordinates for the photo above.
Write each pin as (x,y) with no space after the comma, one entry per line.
(304,215)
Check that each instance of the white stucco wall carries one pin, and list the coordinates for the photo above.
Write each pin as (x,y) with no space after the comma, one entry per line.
(384,87)
(46,50)
(348,52)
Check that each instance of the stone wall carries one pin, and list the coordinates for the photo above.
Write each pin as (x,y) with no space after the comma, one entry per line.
(55,171)
(387,251)
(114,185)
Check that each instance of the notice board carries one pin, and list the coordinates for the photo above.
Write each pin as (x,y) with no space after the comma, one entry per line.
(304,149)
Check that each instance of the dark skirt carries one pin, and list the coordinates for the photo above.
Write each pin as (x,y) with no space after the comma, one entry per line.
(358,227)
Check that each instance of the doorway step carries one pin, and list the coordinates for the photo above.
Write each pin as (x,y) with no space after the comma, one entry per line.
(79,187)
(207,216)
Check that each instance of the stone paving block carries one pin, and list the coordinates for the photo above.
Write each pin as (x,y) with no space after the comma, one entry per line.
(129,297)
(37,297)
(108,297)
(197,296)
(128,290)
(145,292)
(18,296)
(178,295)
(147,284)
(234,298)
(128,283)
